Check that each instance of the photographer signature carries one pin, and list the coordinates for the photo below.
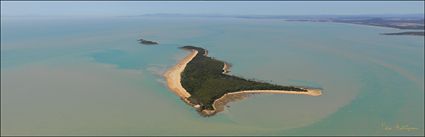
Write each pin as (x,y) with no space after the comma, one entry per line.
(398,127)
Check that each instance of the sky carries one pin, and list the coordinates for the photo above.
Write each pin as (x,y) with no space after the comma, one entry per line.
(129,8)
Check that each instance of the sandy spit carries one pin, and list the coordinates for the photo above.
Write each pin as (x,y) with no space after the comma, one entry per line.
(219,104)
(173,76)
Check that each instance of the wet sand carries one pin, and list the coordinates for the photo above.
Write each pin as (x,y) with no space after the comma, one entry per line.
(219,104)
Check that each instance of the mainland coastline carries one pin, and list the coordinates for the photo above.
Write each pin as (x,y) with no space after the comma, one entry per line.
(174,79)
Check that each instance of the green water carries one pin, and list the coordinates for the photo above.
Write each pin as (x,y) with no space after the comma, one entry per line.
(91,77)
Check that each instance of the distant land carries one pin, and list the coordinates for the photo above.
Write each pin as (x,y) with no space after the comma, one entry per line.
(406,33)
(203,83)
(287,17)
(416,24)
(399,21)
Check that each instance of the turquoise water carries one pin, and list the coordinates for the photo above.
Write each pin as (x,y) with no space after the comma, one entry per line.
(91,77)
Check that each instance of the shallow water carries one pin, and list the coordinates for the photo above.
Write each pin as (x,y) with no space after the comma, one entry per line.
(91,77)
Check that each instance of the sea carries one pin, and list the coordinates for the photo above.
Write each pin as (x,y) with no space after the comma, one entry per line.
(90,76)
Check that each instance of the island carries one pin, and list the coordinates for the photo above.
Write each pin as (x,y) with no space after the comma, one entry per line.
(147,42)
(204,83)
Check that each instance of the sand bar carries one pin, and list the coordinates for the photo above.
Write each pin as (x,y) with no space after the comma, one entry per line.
(219,104)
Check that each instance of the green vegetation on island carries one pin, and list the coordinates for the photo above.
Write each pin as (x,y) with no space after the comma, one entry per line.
(204,79)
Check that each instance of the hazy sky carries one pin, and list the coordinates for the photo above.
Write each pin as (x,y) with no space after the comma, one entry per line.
(114,8)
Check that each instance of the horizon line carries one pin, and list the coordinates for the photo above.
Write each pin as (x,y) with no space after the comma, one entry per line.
(217,14)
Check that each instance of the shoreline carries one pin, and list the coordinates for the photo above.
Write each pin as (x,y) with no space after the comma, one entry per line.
(356,24)
(219,103)
(173,78)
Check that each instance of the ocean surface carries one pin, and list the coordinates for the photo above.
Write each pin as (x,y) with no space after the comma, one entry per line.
(89,76)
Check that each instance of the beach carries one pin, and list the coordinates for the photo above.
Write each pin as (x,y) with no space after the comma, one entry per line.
(173,76)
(219,104)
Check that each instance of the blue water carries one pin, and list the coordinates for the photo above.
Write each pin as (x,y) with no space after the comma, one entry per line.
(74,76)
